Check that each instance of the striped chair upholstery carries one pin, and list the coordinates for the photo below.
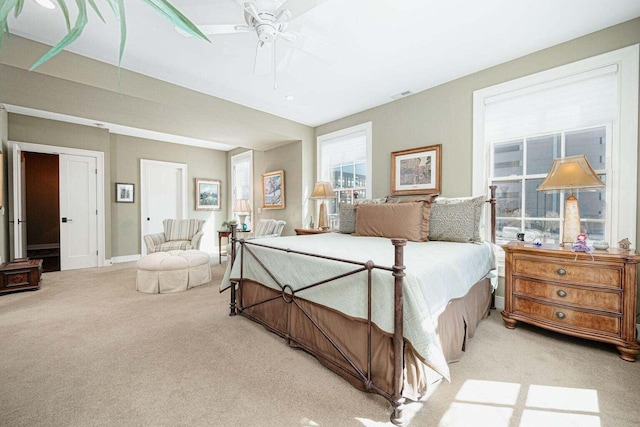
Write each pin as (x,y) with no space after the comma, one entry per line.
(179,234)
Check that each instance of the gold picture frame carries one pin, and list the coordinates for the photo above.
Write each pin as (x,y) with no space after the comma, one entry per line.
(417,170)
(273,190)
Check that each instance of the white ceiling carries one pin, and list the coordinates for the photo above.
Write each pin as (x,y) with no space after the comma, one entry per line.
(371,50)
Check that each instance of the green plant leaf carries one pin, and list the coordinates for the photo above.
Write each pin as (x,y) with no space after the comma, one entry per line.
(6,6)
(96,10)
(18,9)
(123,32)
(81,22)
(4,28)
(114,8)
(171,14)
(65,12)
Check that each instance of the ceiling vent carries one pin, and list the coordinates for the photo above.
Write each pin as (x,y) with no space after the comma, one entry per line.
(401,94)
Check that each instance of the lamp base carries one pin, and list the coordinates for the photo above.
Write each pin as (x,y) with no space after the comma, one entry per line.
(571,227)
(243,219)
(323,219)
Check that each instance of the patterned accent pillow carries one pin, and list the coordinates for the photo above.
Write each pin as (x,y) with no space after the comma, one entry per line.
(370,201)
(347,218)
(463,211)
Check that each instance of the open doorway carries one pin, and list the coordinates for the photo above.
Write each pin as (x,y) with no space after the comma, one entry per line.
(42,205)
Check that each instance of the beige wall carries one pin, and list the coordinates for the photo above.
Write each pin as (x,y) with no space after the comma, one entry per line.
(443,115)
(76,86)
(126,153)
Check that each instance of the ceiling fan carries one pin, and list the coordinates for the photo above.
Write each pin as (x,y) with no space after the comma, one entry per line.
(269,20)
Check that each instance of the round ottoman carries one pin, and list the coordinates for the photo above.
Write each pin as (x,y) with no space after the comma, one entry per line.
(173,271)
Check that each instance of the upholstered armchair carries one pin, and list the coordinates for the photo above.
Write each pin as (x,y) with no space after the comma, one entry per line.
(179,234)
(269,228)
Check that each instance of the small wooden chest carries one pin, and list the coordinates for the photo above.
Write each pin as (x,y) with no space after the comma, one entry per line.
(20,274)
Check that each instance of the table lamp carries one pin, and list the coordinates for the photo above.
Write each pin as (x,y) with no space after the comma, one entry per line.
(569,173)
(323,190)
(242,209)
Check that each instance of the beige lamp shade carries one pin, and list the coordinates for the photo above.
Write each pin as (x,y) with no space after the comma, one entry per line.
(242,205)
(323,190)
(569,173)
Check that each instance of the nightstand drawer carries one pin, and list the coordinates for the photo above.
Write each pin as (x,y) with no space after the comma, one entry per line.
(608,301)
(569,273)
(564,317)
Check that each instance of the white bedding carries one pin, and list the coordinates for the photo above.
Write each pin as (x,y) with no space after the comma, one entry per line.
(436,272)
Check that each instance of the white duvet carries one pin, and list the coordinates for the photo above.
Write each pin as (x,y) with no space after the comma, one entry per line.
(436,272)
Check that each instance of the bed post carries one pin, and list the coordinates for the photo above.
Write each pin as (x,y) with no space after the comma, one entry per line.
(492,203)
(397,417)
(232,304)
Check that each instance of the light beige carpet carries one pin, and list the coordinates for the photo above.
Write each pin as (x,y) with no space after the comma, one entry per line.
(88,350)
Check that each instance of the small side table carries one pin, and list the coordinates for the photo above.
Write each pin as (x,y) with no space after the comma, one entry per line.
(227,234)
(221,234)
(20,275)
(304,231)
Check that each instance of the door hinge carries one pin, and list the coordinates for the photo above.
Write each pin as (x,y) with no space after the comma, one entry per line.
(96,171)
(96,253)
(96,211)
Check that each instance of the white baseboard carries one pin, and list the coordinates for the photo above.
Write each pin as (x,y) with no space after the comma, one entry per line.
(499,303)
(125,258)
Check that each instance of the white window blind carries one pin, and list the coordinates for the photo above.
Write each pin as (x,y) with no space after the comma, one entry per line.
(351,148)
(578,101)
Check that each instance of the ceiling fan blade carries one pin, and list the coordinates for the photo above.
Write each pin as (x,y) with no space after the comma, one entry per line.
(250,9)
(264,58)
(299,7)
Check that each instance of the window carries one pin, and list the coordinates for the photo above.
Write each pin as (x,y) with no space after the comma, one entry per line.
(588,107)
(520,166)
(242,182)
(344,160)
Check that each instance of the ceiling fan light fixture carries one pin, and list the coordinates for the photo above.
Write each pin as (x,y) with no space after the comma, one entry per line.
(47,4)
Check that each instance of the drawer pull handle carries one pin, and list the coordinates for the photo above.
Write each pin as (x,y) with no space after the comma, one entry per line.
(561,293)
(561,271)
(560,315)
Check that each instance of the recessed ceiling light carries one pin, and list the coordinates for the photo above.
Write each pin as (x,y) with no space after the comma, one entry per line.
(46,3)
(289,97)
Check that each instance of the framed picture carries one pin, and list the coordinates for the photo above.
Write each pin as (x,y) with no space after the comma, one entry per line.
(124,192)
(416,171)
(273,190)
(207,194)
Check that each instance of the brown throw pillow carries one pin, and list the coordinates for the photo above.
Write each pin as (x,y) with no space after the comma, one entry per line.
(402,220)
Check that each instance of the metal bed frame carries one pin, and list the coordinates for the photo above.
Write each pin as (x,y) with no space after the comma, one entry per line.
(291,295)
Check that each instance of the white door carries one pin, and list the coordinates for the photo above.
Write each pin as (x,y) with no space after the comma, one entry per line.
(163,195)
(17,213)
(78,212)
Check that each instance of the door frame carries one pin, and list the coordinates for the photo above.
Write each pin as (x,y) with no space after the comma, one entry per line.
(14,156)
(144,163)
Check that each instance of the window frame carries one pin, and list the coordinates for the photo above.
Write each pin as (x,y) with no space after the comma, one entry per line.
(522,178)
(247,157)
(345,134)
(621,166)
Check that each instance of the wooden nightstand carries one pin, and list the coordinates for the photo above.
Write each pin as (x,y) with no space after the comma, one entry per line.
(303,231)
(588,295)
